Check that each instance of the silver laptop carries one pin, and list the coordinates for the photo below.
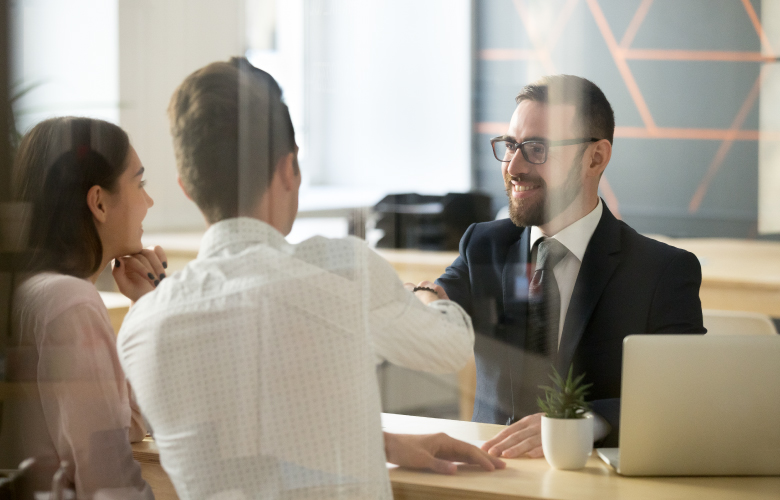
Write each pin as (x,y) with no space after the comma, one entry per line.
(699,405)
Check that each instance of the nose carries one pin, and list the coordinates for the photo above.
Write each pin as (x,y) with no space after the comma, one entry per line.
(517,165)
(149,200)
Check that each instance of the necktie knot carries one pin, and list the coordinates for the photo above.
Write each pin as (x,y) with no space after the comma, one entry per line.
(549,253)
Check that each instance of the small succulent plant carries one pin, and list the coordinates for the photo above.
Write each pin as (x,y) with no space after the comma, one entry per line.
(566,398)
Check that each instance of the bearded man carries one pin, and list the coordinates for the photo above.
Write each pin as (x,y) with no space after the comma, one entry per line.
(561,282)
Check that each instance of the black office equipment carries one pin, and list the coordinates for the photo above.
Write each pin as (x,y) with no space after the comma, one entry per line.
(429,222)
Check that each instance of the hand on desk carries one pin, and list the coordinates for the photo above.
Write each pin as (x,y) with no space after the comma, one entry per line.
(434,452)
(524,437)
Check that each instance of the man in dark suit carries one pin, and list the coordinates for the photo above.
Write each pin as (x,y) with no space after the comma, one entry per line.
(561,282)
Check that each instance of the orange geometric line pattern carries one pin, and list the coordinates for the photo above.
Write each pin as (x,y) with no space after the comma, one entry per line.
(765,45)
(725,146)
(542,54)
(696,55)
(507,54)
(641,54)
(636,22)
(563,18)
(621,53)
(620,62)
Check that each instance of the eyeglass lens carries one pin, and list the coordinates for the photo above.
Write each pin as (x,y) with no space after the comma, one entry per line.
(534,152)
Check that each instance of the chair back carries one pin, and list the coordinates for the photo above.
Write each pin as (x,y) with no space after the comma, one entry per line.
(737,323)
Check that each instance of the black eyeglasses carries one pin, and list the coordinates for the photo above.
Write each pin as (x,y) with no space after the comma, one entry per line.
(535,151)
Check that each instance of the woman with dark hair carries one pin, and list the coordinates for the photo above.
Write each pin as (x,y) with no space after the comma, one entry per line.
(83,182)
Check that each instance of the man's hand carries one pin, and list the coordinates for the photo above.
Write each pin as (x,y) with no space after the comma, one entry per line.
(425,296)
(140,273)
(434,452)
(524,437)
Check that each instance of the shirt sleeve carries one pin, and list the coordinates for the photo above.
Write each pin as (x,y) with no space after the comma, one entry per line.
(436,338)
(85,402)
(138,429)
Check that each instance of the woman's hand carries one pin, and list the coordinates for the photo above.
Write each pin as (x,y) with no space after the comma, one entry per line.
(138,274)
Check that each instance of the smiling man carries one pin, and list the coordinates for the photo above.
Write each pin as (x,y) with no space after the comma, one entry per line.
(562,281)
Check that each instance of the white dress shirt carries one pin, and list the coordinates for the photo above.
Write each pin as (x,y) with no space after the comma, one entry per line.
(575,238)
(256,364)
(77,405)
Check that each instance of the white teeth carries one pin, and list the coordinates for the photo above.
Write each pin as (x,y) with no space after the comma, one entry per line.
(520,189)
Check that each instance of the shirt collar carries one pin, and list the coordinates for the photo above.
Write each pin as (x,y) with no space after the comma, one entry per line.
(575,237)
(238,231)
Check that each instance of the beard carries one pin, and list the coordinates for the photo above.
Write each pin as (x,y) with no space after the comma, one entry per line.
(525,213)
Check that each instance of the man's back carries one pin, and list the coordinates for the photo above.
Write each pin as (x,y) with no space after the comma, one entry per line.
(256,365)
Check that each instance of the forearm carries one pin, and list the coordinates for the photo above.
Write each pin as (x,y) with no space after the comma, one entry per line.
(435,338)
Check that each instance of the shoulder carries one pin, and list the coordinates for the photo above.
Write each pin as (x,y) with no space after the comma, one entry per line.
(639,241)
(324,252)
(647,251)
(57,309)
(319,243)
(57,292)
(494,233)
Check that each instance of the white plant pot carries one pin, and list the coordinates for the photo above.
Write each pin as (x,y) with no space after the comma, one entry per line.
(567,442)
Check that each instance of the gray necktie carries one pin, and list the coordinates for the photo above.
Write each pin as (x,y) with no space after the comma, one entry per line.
(544,299)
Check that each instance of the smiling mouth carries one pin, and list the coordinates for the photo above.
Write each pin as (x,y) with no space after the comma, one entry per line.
(521,189)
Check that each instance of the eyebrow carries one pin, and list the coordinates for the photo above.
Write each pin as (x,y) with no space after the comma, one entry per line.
(525,139)
(140,172)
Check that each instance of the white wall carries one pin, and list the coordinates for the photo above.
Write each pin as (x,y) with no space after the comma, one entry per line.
(769,121)
(69,50)
(389,94)
(380,89)
(160,43)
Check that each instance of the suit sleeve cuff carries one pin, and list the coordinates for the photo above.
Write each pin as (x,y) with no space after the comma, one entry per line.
(601,427)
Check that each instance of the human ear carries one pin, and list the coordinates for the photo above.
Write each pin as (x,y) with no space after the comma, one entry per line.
(286,168)
(599,158)
(96,201)
(183,190)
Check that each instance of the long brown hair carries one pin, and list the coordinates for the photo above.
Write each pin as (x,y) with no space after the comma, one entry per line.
(57,163)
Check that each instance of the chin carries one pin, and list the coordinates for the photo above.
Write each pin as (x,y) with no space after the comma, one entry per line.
(133,248)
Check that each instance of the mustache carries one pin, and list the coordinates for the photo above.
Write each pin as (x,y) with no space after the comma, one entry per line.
(535,179)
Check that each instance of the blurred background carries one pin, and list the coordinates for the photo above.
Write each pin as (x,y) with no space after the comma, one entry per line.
(394,97)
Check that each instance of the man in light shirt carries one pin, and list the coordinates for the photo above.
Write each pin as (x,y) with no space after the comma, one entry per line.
(256,364)
(607,281)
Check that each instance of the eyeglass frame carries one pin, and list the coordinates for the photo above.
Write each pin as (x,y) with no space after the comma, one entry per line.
(547,144)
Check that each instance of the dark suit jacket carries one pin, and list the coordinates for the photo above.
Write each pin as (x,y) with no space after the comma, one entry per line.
(627,284)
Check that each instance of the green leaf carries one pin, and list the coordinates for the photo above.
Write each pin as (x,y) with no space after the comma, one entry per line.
(565,398)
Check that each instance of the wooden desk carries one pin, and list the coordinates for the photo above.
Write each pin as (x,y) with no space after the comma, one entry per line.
(522,479)
(737,275)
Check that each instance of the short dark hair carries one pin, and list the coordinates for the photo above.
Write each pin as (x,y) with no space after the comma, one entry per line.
(56,165)
(230,128)
(593,109)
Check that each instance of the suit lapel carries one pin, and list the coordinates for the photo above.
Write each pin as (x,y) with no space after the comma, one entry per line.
(599,262)
(514,281)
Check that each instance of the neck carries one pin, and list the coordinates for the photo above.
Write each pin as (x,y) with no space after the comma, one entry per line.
(103,263)
(273,211)
(578,209)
